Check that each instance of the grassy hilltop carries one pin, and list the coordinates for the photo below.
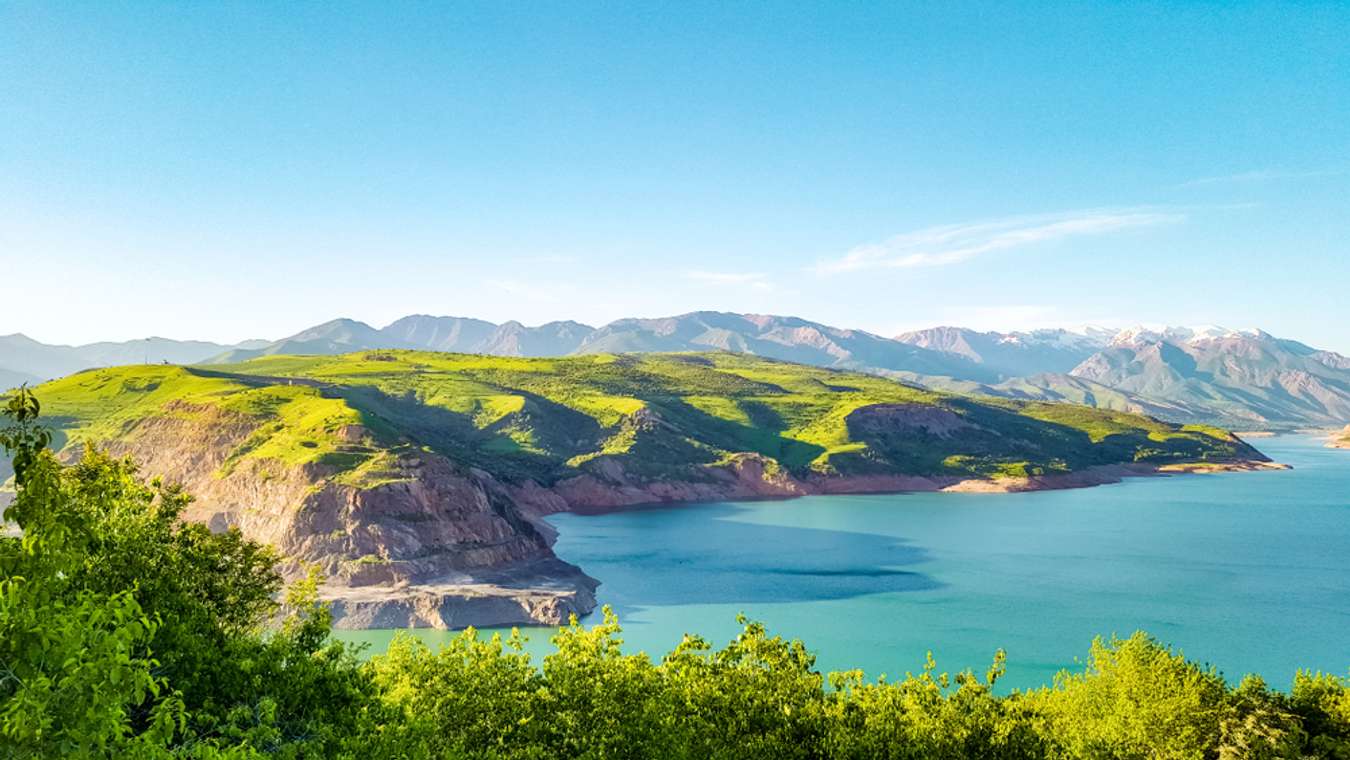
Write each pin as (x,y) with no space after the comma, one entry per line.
(658,416)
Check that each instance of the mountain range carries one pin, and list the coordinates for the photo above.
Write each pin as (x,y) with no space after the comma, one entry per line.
(785,338)
(24,360)
(1247,379)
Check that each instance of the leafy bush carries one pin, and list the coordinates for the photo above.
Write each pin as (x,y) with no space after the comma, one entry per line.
(125,632)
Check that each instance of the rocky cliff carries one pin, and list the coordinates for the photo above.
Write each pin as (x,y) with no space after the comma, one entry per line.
(434,543)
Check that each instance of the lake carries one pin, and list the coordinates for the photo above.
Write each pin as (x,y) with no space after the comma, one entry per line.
(1247,571)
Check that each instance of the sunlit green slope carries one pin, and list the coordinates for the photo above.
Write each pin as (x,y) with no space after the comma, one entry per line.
(658,416)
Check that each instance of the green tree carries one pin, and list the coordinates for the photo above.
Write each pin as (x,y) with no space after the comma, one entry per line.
(125,629)
(76,674)
(1136,699)
(931,715)
(760,695)
(1322,702)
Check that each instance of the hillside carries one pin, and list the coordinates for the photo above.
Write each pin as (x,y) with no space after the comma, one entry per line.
(417,480)
(1340,440)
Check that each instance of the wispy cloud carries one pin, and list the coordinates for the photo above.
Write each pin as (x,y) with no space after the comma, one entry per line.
(549,258)
(954,243)
(756,280)
(1263,175)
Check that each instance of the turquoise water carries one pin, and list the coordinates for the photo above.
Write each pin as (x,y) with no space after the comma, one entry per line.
(1247,571)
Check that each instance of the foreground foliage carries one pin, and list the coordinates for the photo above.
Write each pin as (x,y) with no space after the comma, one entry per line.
(125,632)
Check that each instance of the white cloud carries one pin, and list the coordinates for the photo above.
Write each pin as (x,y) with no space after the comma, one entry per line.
(1263,175)
(955,243)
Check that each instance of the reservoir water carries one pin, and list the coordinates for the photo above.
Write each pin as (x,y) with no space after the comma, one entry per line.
(1247,571)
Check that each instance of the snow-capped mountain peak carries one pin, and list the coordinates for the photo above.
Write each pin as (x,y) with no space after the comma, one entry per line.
(1145,334)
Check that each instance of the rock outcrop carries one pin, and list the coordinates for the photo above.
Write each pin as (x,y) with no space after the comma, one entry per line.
(434,544)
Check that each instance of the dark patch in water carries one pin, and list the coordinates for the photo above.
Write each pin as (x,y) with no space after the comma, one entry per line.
(724,561)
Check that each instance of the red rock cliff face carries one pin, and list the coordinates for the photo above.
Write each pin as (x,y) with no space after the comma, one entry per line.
(436,544)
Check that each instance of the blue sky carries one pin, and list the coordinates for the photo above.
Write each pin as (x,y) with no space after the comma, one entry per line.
(236,170)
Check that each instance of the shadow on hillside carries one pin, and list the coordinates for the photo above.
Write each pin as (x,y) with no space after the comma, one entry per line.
(557,427)
(1009,436)
(763,436)
(1182,363)
(452,434)
(715,559)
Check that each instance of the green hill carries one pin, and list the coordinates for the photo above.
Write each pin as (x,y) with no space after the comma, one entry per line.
(658,416)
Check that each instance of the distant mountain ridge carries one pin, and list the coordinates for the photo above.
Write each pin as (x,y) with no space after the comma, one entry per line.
(11,379)
(1238,378)
(786,338)
(24,360)
(775,337)
(1015,354)
(419,331)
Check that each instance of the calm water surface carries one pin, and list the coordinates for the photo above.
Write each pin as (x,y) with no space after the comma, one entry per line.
(1247,571)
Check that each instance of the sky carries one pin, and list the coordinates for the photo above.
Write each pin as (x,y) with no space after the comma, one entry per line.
(226,171)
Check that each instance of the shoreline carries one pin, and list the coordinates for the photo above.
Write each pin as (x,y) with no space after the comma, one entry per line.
(522,596)
(874,485)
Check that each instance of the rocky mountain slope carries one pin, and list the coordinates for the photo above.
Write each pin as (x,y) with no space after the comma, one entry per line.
(786,338)
(1247,378)
(1069,389)
(1015,354)
(417,480)
(333,337)
(419,331)
(1244,379)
